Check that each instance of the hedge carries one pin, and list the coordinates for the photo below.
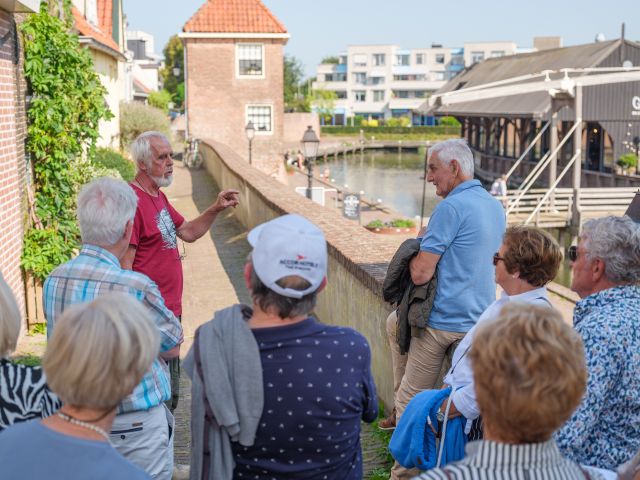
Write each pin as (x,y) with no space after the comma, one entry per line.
(437,129)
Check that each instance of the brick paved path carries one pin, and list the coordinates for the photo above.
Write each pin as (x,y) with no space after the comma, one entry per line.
(212,280)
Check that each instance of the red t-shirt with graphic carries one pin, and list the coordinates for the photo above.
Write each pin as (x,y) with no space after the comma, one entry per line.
(157,255)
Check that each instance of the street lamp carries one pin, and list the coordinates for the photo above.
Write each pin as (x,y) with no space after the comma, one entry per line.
(310,144)
(250,131)
(176,71)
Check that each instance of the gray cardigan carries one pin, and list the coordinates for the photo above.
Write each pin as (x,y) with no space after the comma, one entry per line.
(232,369)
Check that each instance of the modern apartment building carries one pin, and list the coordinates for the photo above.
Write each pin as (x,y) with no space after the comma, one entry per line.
(386,81)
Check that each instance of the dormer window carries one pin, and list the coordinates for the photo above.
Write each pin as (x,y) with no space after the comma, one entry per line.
(250,60)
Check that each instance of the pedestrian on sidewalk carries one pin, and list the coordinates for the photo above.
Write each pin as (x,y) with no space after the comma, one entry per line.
(275,392)
(142,430)
(96,356)
(153,249)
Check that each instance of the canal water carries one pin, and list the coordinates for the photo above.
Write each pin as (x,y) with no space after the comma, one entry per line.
(396,180)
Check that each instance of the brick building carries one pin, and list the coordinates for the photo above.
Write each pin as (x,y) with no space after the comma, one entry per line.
(233,75)
(13,128)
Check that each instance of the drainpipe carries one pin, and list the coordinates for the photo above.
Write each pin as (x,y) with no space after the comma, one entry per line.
(186,90)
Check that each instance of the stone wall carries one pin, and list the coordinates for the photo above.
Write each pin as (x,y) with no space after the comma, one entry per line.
(357,258)
(295,124)
(12,159)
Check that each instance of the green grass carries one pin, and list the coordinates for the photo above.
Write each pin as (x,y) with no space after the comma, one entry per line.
(37,329)
(28,359)
(384,436)
(409,137)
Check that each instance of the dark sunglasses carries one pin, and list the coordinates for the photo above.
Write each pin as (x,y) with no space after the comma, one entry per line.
(572,253)
(496,259)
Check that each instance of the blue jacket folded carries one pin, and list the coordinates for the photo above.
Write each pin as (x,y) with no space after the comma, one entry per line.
(413,443)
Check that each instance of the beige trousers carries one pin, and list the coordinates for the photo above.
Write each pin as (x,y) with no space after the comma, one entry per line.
(422,368)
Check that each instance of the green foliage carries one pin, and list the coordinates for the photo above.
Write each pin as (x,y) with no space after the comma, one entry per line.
(357,120)
(628,160)
(37,329)
(174,58)
(398,122)
(66,108)
(323,101)
(449,121)
(136,117)
(330,60)
(29,359)
(416,132)
(402,223)
(375,224)
(160,100)
(294,99)
(113,160)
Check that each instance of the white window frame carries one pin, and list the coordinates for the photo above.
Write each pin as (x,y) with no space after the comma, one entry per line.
(421,58)
(355,96)
(246,117)
(376,93)
(237,60)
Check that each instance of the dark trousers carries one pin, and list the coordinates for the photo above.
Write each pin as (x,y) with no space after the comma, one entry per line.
(174,370)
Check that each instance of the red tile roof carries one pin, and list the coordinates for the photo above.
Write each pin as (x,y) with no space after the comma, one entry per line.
(85,29)
(105,16)
(234,16)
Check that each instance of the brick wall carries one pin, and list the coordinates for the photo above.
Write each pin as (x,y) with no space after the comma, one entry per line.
(216,99)
(358,259)
(12,160)
(295,124)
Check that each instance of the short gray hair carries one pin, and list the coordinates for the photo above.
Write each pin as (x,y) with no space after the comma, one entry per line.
(9,319)
(454,149)
(141,147)
(284,307)
(105,206)
(616,241)
(99,351)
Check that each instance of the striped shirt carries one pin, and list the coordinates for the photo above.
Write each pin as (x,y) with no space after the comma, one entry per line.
(488,460)
(95,272)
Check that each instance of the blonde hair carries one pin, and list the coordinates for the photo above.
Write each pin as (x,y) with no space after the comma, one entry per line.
(9,319)
(529,372)
(99,351)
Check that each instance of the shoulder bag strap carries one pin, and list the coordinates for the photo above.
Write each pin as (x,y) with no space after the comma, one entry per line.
(208,416)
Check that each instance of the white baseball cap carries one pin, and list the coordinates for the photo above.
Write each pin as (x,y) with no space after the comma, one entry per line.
(289,245)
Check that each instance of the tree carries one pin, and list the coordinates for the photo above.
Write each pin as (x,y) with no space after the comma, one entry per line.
(294,98)
(330,60)
(160,100)
(174,58)
(324,102)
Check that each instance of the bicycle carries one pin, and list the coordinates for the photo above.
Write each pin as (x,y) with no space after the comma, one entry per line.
(193,158)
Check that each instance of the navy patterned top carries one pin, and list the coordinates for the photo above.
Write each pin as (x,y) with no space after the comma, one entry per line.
(317,388)
(605,429)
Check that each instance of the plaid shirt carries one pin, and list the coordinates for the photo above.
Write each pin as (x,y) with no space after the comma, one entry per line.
(95,272)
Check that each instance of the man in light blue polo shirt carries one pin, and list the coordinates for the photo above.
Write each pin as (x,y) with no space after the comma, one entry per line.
(464,232)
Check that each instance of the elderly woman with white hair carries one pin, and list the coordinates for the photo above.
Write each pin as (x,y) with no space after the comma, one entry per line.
(98,353)
(604,431)
(24,394)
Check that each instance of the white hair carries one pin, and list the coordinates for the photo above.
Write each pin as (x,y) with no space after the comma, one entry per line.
(9,319)
(99,351)
(141,147)
(454,149)
(105,206)
(616,241)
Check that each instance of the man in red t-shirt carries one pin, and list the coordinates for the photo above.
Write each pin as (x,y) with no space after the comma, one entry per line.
(153,248)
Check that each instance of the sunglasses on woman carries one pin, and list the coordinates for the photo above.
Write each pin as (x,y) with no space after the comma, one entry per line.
(496,259)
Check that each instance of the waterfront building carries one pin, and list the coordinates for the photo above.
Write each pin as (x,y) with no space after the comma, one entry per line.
(386,81)
(504,103)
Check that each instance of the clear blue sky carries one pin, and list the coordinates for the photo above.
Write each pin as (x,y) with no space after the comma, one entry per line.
(321,28)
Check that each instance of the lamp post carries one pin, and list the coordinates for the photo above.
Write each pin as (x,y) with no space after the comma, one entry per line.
(176,71)
(250,131)
(310,144)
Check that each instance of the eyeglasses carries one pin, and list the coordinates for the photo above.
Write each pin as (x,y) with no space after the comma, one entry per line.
(572,253)
(496,259)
